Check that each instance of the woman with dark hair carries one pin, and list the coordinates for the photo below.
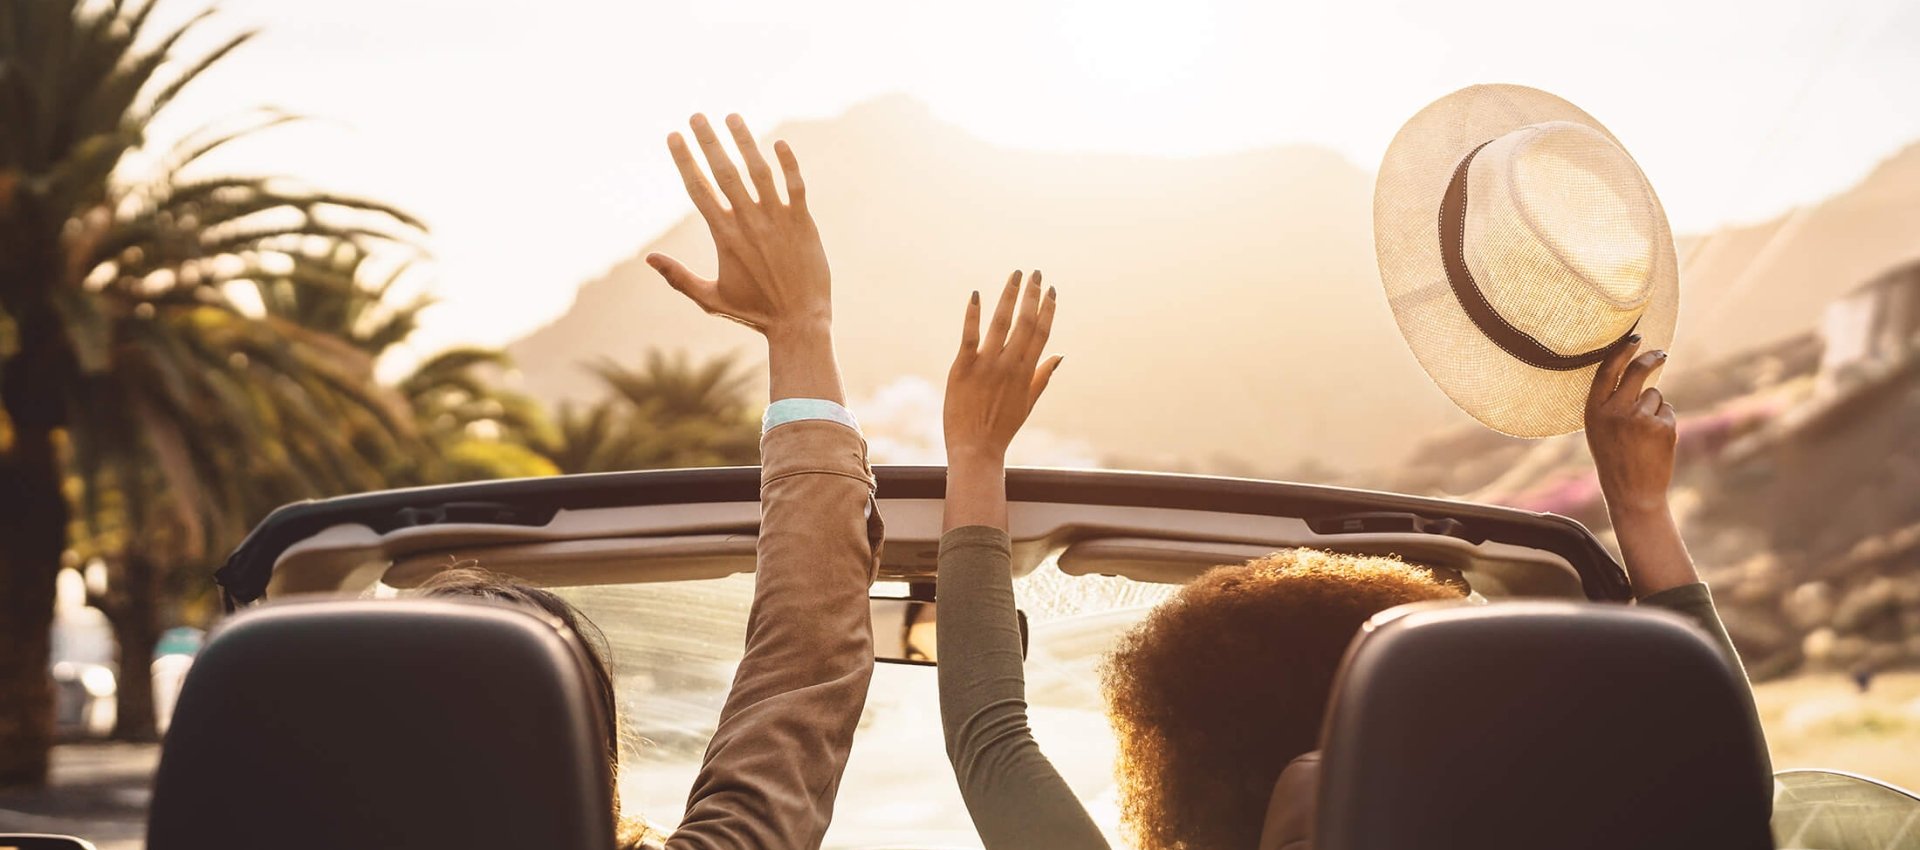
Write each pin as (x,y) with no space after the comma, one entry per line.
(774,763)
(1224,686)
(465,580)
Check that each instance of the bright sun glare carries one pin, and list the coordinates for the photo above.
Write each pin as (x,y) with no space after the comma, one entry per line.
(1142,48)
(1734,120)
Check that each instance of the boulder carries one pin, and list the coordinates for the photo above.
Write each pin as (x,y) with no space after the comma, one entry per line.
(1809,606)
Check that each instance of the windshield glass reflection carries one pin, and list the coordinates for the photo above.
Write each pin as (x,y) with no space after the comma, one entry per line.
(675,646)
(1820,810)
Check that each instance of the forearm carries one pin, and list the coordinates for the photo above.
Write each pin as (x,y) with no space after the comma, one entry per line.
(775,761)
(1014,794)
(1656,557)
(801,362)
(1664,576)
(976,489)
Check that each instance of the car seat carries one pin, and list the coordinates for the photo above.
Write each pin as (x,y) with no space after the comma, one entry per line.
(385,723)
(1539,725)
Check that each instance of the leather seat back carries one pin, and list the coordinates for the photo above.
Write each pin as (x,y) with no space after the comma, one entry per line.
(390,723)
(1538,725)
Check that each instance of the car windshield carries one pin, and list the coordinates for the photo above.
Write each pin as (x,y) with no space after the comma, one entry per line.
(1828,810)
(675,646)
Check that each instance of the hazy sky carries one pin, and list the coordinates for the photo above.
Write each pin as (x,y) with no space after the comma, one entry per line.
(529,135)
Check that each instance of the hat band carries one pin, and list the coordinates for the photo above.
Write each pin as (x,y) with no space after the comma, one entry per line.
(1512,340)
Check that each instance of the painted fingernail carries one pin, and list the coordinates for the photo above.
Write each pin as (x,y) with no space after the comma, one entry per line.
(1660,355)
(1050,293)
(975,300)
(1633,338)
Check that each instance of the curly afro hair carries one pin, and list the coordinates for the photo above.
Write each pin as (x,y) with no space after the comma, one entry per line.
(1226,682)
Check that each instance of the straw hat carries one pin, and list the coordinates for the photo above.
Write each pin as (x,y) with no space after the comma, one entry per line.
(1519,243)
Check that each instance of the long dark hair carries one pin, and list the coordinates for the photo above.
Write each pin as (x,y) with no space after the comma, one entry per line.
(466,580)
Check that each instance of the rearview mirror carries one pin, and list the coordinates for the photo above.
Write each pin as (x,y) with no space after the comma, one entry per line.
(903,631)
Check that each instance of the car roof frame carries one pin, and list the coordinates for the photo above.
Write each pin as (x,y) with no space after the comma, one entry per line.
(535,501)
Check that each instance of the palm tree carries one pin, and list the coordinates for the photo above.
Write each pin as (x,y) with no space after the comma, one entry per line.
(668,412)
(473,428)
(121,350)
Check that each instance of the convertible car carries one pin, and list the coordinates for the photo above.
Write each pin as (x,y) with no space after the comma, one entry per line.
(322,707)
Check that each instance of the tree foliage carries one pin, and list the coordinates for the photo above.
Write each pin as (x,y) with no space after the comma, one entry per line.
(129,368)
(667,412)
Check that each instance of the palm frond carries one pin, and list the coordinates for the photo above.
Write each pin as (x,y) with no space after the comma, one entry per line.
(172,89)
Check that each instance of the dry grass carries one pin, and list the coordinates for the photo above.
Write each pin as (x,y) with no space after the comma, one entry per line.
(1825,721)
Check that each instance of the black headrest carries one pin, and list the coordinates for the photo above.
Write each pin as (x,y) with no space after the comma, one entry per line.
(1539,725)
(390,723)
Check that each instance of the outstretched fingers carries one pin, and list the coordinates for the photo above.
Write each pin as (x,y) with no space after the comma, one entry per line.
(1043,327)
(701,191)
(1020,344)
(702,291)
(1041,377)
(996,339)
(790,165)
(724,172)
(970,330)
(757,167)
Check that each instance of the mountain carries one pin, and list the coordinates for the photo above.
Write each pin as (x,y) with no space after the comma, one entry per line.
(1222,307)
(1754,285)
(1210,306)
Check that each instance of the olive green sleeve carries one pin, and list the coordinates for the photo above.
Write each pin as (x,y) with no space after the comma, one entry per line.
(1695,602)
(1015,796)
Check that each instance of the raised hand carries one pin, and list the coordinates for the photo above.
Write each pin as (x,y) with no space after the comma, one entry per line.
(773,274)
(996,379)
(1631,432)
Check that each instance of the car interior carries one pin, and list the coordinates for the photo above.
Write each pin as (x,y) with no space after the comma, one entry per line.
(393,723)
(1440,709)
(374,722)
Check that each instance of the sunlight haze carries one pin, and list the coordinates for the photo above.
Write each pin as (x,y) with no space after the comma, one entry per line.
(530,140)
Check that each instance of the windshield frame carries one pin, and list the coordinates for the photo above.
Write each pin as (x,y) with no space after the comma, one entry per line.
(535,502)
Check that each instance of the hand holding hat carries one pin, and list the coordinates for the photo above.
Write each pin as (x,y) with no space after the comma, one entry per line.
(1520,246)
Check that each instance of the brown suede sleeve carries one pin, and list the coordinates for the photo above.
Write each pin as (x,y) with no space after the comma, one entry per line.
(775,762)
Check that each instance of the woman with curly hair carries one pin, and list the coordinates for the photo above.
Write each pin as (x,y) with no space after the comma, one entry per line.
(1224,686)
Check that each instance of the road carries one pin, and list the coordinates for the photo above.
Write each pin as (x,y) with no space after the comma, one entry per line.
(98,791)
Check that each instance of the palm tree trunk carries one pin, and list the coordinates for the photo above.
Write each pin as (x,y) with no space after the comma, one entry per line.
(33,527)
(133,610)
(33,534)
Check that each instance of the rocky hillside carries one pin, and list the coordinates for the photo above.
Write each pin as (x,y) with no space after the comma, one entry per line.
(1798,488)
(1749,286)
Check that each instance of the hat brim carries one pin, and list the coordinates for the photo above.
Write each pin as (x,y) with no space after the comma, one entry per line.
(1502,392)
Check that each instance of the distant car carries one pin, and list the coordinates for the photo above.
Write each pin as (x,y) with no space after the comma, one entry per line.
(172,658)
(85,678)
(662,561)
